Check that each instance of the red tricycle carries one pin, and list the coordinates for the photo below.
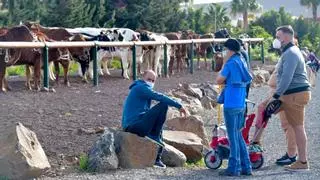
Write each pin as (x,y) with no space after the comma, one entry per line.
(220,146)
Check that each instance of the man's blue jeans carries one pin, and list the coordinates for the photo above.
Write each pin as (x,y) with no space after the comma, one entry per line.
(151,123)
(239,156)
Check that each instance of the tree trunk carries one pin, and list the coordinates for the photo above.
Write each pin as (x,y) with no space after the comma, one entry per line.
(245,20)
(314,12)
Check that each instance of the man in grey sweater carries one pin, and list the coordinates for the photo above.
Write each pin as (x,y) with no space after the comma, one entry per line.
(293,89)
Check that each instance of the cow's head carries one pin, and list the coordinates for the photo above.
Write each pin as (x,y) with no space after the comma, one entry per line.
(116,35)
(222,33)
(81,53)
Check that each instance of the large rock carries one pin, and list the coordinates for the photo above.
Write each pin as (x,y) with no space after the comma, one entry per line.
(207,102)
(186,142)
(102,155)
(193,124)
(209,90)
(173,157)
(134,151)
(191,91)
(21,155)
(261,76)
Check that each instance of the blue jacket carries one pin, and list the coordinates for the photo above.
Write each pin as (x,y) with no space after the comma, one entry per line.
(237,77)
(139,100)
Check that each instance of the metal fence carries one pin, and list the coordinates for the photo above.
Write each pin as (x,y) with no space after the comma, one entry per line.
(95,44)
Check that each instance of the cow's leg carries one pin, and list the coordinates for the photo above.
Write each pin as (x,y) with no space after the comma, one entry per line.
(51,73)
(2,76)
(57,70)
(28,77)
(198,59)
(125,64)
(65,64)
(6,84)
(37,73)
(104,63)
(205,59)
(100,56)
(157,60)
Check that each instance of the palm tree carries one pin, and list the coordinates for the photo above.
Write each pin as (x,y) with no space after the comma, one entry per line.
(314,6)
(217,15)
(244,7)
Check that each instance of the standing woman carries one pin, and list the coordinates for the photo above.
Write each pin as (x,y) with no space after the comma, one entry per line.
(235,76)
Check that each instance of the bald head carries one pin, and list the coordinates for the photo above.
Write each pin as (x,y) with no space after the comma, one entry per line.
(149,76)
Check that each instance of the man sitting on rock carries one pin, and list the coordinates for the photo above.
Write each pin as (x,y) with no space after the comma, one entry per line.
(140,119)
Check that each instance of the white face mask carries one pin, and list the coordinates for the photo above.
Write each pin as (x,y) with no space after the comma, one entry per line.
(224,53)
(151,84)
(276,44)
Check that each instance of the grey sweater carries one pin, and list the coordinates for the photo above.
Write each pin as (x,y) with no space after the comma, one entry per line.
(292,74)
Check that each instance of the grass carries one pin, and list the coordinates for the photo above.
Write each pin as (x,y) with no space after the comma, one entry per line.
(83,162)
(190,164)
(73,68)
(16,71)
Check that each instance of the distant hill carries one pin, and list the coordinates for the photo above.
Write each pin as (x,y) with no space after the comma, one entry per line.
(291,6)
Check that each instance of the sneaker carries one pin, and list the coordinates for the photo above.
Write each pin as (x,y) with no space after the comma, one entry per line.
(297,166)
(159,164)
(156,140)
(246,173)
(286,160)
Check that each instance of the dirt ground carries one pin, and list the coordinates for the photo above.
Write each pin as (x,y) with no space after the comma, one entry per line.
(57,117)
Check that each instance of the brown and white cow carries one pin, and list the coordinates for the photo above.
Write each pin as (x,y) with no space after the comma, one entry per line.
(81,54)
(23,56)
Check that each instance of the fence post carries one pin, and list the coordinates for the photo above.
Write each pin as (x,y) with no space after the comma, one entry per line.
(191,57)
(46,66)
(262,52)
(95,65)
(134,64)
(165,61)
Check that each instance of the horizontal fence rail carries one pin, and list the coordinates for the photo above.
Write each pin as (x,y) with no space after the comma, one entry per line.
(95,44)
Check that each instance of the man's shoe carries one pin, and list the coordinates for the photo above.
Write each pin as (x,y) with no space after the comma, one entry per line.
(246,173)
(156,140)
(228,173)
(286,160)
(297,166)
(159,164)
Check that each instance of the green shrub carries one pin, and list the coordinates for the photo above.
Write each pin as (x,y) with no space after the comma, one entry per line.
(83,162)
(199,163)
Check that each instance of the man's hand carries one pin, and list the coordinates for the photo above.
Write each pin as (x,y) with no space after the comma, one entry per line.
(183,112)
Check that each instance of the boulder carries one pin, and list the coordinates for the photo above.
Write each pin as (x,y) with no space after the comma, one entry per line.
(191,91)
(186,142)
(102,155)
(261,76)
(173,157)
(209,90)
(193,124)
(22,156)
(207,102)
(134,151)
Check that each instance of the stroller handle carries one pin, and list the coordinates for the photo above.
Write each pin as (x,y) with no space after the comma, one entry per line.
(250,102)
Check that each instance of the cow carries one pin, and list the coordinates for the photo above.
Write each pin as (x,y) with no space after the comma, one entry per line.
(203,48)
(180,54)
(124,53)
(80,54)
(222,33)
(23,56)
(56,56)
(154,55)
